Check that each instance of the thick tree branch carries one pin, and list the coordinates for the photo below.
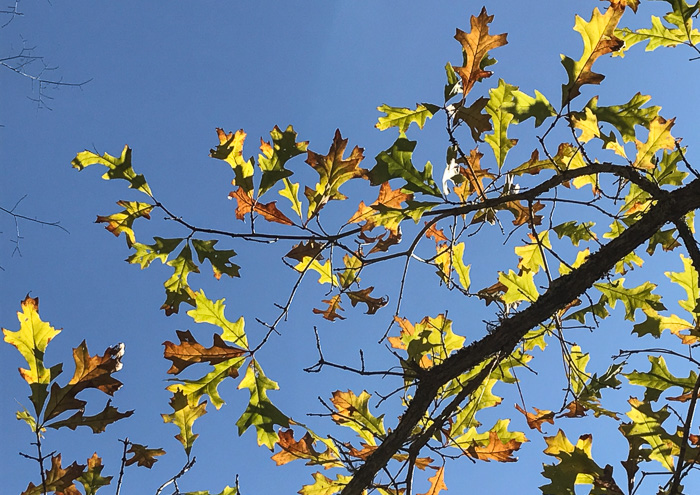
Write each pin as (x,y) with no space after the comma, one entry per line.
(503,339)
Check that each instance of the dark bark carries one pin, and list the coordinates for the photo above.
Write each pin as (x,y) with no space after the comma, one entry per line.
(500,342)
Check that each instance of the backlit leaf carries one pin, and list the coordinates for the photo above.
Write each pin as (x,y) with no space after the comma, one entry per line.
(183,416)
(475,47)
(220,259)
(189,352)
(333,171)
(230,150)
(31,340)
(598,39)
(212,312)
(353,412)
(246,205)
(141,455)
(147,253)
(284,146)
(92,479)
(118,168)
(639,297)
(177,288)
(403,117)
(659,138)
(260,412)
(496,107)
(122,222)
(331,313)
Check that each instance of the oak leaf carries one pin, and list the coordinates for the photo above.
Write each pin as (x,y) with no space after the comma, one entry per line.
(189,352)
(246,205)
(496,449)
(122,222)
(534,421)
(437,482)
(142,455)
(333,171)
(92,479)
(363,296)
(331,312)
(284,146)
(230,150)
(118,168)
(476,45)
(58,479)
(303,449)
(598,39)
(183,416)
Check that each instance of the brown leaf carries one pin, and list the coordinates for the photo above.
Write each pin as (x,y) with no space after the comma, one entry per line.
(477,121)
(576,410)
(435,234)
(246,204)
(311,249)
(437,482)
(492,293)
(496,450)
(292,450)
(143,456)
(331,312)
(372,216)
(521,212)
(534,421)
(476,45)
(189,351)
(333,171)
(90,372)
(475,176)
(362,296)
(58,480)
(383,245)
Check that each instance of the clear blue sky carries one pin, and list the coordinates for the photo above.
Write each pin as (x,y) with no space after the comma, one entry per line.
(163,78)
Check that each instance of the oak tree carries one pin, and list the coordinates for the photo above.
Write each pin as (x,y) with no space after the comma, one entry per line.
(603,190)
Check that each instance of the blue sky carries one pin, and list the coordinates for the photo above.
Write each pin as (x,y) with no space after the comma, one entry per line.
(162,79)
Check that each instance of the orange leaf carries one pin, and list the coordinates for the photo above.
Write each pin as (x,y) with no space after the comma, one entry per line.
(496,450)
(58,480)
(246,204)
(331,312)
(476,46)
(291,450)
(373,217)
(534,421)
(437,235)
(521,212)
(189,351)
(437,482)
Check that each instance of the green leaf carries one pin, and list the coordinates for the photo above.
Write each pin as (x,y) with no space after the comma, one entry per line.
(666,172)
(454,85)
(403,117)
(625,117)
(220,259)
(122,222)
(31,340)
(92,479)
(598,39)
(147,253)
(499,98)
(577,375)
(688,280)
(209,383)
(639,297)
(183,416)
(531,258)
(452,258)
(325,486)
(429,342)
(575,467)
(212,312)
(230,150)
(575,231)
(395,163)
(291,192)
(271,161)
(260,412)
(523,107)
(177,289)
(119,168)
(655,324)
(325,270)
(646,427)
(659,138)
(353,412)
(520,287)
(659,35)
(659,378)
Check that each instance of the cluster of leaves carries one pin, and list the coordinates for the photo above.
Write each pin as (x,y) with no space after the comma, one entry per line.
(445,381)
